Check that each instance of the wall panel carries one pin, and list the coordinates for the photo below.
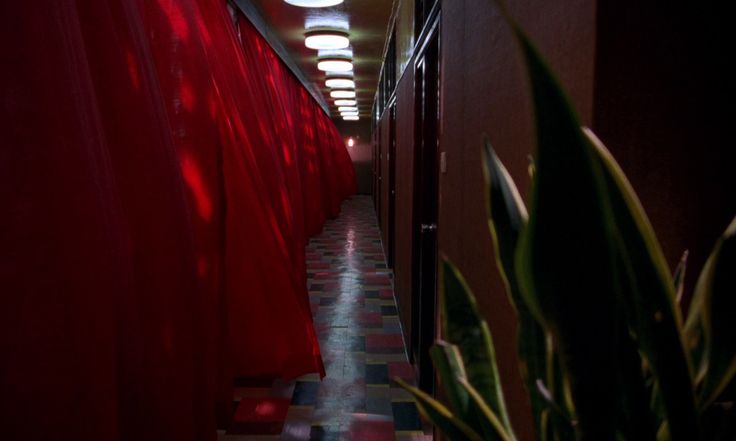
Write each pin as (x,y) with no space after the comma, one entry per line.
(404,196)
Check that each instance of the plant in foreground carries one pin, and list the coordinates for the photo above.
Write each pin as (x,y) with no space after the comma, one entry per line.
(604,351)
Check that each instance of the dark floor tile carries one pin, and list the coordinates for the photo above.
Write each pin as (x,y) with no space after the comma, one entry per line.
(406,417)
(324,433)
(356,343)
(371,294)
(305,393)
(376,374)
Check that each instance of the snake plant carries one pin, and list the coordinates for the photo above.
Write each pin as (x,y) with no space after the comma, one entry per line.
(604,350)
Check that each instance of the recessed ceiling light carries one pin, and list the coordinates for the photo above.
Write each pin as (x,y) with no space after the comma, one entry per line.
(350,118)
(335,64)
(326,39)
(314,3)
(335,53)
(345,102)
(349,113)
(340,82)
(347,109)
(321,19)
(342,94)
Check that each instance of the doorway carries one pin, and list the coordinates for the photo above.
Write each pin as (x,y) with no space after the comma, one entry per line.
(425,204)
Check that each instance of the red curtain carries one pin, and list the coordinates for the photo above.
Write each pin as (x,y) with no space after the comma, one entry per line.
(159,177)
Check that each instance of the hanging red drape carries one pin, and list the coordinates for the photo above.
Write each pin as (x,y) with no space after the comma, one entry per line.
(62,249)
(161,176)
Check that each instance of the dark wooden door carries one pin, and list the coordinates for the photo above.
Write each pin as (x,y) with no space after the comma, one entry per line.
(379,175)
(426,200)
(391,186)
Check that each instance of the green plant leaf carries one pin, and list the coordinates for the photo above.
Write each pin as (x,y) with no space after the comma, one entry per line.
(565,258)
(648,298)
(463,326)
(678,277)
(507,215)
(636,422)
(495,421)
(712,312)
(531,169)
(449,363)
(434,412)
(507,218)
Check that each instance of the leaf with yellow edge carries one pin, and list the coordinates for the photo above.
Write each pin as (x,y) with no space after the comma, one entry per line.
(434,412)
(647,295)
(711,314)
(487,411)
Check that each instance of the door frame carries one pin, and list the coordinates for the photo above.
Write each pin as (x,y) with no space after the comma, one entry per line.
(424,299)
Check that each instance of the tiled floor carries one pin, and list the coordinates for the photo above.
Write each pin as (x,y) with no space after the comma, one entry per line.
(356,320)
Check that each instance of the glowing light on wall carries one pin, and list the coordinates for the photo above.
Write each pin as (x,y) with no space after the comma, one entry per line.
(351,142)
(314,3)
(340,82)
(326,39)
(342,94)
(345,102)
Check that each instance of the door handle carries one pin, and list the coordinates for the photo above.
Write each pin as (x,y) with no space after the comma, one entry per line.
(425,228)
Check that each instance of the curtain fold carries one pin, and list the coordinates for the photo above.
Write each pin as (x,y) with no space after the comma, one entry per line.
(160,175)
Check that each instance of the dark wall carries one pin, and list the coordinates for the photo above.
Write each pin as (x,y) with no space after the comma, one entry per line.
(664,106)
(360,153)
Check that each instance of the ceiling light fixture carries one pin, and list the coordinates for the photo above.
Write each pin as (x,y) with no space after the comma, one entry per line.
(347,109)
(340,82)
(334,64)
(350,118)
(314,3)
(349,113)
(342,94)
(345,102)
(326,39)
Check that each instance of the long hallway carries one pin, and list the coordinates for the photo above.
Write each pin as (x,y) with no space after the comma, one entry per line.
(355,317)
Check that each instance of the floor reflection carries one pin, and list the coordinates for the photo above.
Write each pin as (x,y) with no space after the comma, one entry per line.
(356,321)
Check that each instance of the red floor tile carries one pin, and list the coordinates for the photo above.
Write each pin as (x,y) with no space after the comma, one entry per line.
(260,415)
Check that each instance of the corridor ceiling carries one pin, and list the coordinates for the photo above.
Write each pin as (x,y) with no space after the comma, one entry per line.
(366,21)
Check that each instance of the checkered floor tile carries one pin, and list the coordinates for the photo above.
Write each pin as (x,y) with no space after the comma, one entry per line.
(354,310)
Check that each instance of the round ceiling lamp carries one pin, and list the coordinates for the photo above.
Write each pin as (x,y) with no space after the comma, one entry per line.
(334,64)
(342,94)
(314,3)
(340,82)
(345,102)
(347,109)
(326,39)
(350,118)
